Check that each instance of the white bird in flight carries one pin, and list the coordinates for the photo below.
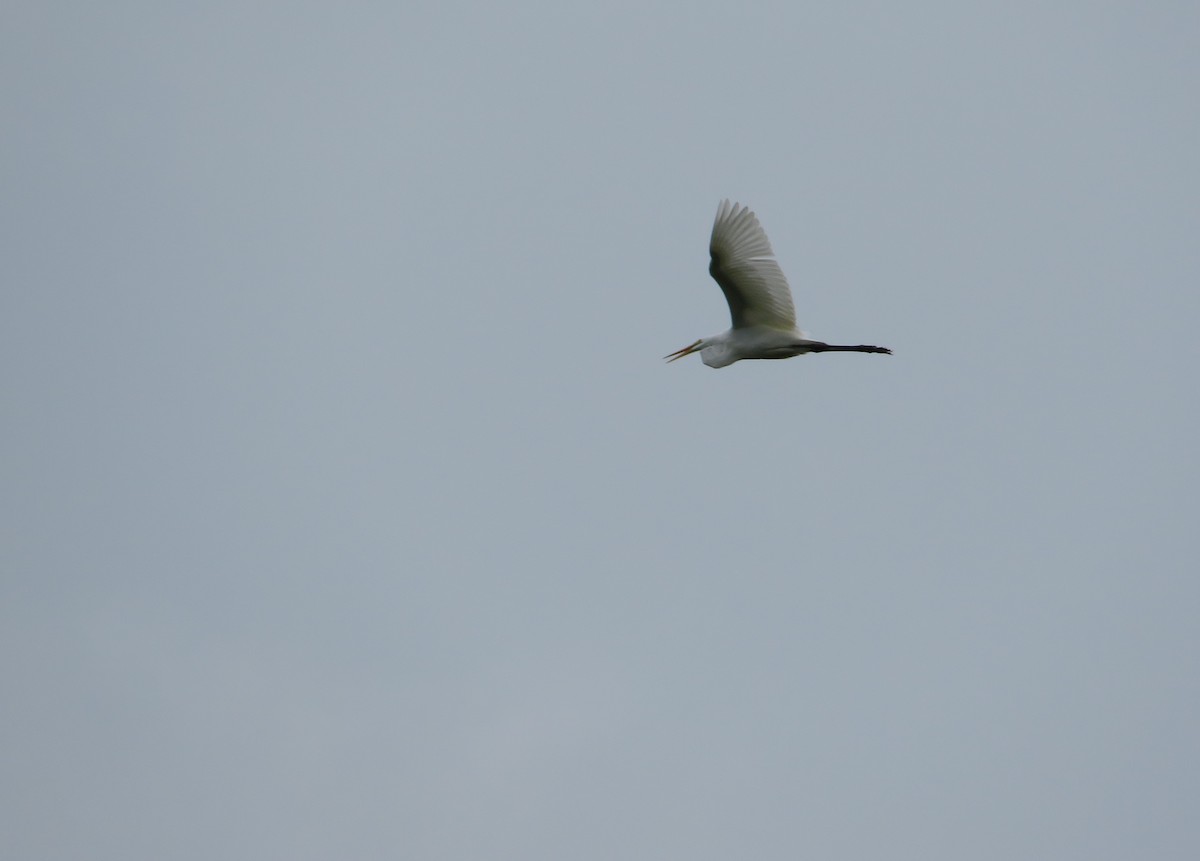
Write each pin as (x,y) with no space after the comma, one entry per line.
(760,302)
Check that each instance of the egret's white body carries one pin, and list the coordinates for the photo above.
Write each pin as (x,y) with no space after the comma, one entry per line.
(760,301)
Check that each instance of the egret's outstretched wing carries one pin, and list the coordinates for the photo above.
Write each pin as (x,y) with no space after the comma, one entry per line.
(744,265)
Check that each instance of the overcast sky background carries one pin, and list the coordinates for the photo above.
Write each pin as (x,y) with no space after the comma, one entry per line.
(349,511)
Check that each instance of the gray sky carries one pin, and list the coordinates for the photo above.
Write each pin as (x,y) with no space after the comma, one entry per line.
(349,511)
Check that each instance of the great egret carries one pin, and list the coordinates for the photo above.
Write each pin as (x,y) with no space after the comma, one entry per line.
(760,303)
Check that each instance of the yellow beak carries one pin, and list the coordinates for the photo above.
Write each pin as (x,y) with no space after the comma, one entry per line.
(685,351)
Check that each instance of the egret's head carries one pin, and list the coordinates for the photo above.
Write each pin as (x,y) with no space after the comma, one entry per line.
(685,351)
